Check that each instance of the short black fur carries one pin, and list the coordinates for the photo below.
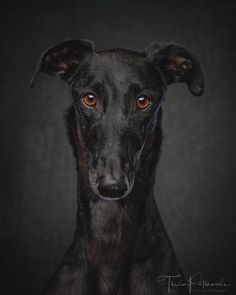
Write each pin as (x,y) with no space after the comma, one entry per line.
(120,245)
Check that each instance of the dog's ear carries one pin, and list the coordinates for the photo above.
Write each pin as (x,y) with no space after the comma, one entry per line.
(63,59)
(177,64)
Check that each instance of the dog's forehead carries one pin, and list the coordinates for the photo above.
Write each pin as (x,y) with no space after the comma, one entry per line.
(117,65)
(119,70)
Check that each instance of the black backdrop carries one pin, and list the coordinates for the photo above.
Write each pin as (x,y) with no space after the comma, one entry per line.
(195,187)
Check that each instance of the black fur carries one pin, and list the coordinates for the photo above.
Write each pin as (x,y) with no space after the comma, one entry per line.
(120,245)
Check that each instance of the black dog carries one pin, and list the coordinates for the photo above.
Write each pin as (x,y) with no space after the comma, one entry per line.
(120,246)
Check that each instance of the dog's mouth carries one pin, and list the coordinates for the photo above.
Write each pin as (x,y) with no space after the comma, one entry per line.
(108,188)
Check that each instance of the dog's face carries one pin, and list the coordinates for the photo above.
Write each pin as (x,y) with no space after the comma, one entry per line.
(117,95)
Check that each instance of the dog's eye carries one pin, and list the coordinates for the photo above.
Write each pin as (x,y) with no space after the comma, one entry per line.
(143,102)
(89,100)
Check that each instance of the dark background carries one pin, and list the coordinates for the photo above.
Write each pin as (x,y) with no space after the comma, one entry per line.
(196,186)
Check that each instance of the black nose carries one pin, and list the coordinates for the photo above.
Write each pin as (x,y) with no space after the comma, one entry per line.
(112,189)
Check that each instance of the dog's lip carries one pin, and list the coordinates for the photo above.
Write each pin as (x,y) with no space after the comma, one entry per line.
(114,198)
(111,199)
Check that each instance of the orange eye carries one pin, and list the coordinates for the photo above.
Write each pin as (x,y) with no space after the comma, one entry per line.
(143,102)
(89,100)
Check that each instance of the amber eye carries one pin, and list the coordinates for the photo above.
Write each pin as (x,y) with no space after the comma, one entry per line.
(89,100)
(143,102)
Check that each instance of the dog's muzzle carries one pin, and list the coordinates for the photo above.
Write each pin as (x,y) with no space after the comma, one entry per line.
(110,184)
(112,190)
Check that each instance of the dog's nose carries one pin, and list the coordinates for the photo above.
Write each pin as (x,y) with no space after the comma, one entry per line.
(112,189)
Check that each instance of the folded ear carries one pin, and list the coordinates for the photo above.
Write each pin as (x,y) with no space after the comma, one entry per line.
(177,64)
(62,60)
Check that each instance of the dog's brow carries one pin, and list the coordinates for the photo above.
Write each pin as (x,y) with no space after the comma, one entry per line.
(135,88)
(98,87)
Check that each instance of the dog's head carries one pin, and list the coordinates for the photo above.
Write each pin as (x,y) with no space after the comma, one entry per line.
(117,95)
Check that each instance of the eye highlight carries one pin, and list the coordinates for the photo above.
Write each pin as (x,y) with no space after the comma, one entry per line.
(89,100)
(143,102)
